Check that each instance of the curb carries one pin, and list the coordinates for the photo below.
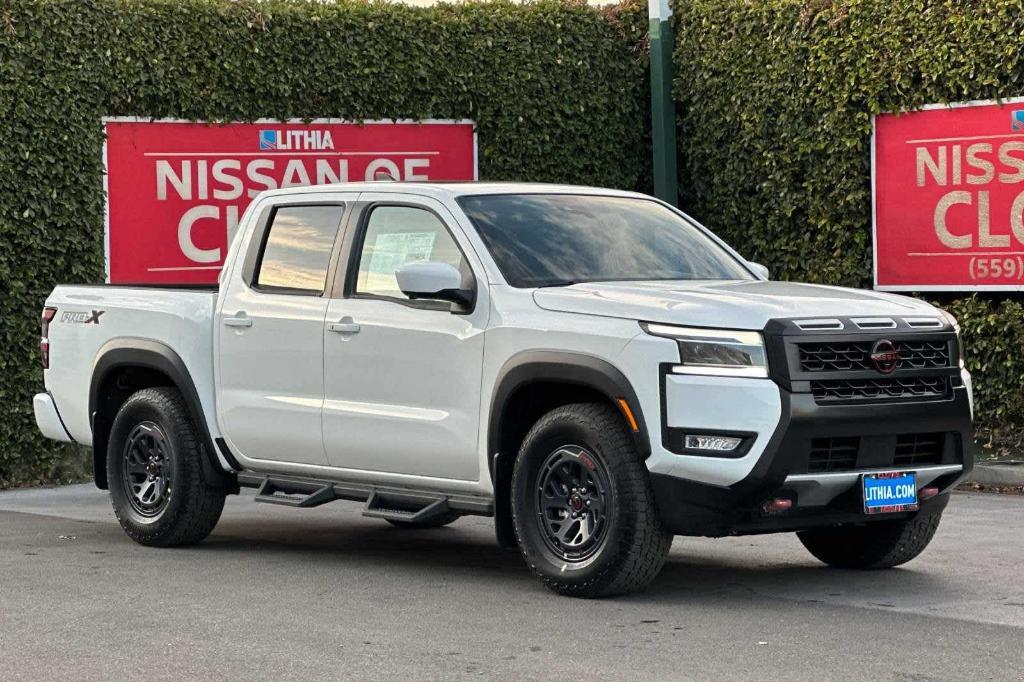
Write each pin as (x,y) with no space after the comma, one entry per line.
(1005,474)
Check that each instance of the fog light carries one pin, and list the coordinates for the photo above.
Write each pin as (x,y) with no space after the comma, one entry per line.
(715,443)
(927,493)
(777,505)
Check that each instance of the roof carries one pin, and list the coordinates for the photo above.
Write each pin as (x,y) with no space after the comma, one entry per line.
(455,189)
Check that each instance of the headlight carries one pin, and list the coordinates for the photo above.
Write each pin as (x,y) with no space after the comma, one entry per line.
(722,352)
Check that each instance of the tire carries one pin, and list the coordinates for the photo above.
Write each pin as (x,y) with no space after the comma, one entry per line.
(617,543)
(876,545)
(155,472)
(436,522)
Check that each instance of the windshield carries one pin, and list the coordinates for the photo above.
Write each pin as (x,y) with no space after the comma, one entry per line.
(557,239)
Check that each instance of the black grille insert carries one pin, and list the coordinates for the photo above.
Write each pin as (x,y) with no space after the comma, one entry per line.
(919,448)
(847,356)
(833,454)
(863,390)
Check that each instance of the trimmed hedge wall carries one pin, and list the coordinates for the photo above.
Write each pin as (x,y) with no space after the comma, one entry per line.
(555,88)
(776,98)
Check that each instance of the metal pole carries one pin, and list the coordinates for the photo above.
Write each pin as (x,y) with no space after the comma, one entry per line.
(663,108)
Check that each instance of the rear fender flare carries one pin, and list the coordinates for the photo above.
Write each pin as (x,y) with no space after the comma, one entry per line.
(149,354)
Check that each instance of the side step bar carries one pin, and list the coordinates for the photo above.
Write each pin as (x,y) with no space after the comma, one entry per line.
(382,502)
(268,492)
(383,506)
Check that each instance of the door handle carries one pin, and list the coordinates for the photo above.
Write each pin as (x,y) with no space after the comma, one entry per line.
(345,325)
(239,320)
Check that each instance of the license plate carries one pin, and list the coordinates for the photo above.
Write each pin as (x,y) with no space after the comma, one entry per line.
(890,492)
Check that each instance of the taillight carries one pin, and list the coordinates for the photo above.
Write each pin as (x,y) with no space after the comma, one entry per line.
(44,338)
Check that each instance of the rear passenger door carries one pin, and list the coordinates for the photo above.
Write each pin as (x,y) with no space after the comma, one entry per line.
(270,331)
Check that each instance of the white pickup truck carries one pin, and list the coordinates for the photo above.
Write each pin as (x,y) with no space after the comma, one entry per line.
(592,368)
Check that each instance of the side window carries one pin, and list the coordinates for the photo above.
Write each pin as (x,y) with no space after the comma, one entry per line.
(297,248)
(396,235)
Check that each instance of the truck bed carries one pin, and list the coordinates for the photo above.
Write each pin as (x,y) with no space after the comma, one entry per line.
(178,317)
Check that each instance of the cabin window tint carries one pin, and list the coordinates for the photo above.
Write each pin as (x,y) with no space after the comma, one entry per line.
(297,250)
(397,235)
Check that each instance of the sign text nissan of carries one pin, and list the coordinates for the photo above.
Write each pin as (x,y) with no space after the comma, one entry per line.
(176,190)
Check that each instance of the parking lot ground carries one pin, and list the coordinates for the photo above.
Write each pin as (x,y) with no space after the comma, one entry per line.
(326,593)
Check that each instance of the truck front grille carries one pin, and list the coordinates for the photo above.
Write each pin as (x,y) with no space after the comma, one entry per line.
(834,391)
(834,364)
(833,454)
(919,448)
(847,356)
(839,454)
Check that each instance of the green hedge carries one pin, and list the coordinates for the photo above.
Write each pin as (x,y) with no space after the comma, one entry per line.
(775,99)
(775,103)
(555,88)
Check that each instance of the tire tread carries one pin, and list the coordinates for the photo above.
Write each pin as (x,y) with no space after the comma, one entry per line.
(641,554)
(873,546)
(201,506)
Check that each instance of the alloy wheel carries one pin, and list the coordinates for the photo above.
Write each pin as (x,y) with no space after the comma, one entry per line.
(573,503)
(147,469)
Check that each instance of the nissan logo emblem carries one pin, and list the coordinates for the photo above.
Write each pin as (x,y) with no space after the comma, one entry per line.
(884,356)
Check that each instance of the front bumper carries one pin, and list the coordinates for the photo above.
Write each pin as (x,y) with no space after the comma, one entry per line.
(785,467)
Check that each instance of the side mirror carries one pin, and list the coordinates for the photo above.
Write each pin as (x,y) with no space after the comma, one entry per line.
(431,280)
(760,270)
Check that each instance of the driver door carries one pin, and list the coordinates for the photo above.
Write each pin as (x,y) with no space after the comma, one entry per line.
(401,377)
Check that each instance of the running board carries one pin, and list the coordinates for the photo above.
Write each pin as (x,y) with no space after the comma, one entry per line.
(383,502)
(404,508)
(268,492)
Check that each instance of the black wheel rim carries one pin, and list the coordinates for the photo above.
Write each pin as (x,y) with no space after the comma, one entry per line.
(573,503)
(146,470)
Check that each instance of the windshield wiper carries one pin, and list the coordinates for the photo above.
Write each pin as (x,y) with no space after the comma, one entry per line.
(557,283)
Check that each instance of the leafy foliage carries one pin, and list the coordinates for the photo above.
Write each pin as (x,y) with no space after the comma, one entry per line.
(554,86)
(775,104)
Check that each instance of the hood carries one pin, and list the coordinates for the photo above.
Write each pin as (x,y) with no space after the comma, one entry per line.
(724,304)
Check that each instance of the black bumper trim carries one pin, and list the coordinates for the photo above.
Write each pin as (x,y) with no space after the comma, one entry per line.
(692,508)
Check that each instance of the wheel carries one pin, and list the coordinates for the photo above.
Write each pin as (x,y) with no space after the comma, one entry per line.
(436,522)
(880,544)
(582,505)
(155,473)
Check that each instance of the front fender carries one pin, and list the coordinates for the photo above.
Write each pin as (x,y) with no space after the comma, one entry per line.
(564,367)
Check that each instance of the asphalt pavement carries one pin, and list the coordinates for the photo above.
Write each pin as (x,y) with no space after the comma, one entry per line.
(328,594)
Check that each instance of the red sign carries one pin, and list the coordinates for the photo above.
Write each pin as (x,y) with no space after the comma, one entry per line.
(949,198)
(176,190)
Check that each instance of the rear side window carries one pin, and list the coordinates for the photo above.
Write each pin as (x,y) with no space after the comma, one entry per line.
(297,249)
